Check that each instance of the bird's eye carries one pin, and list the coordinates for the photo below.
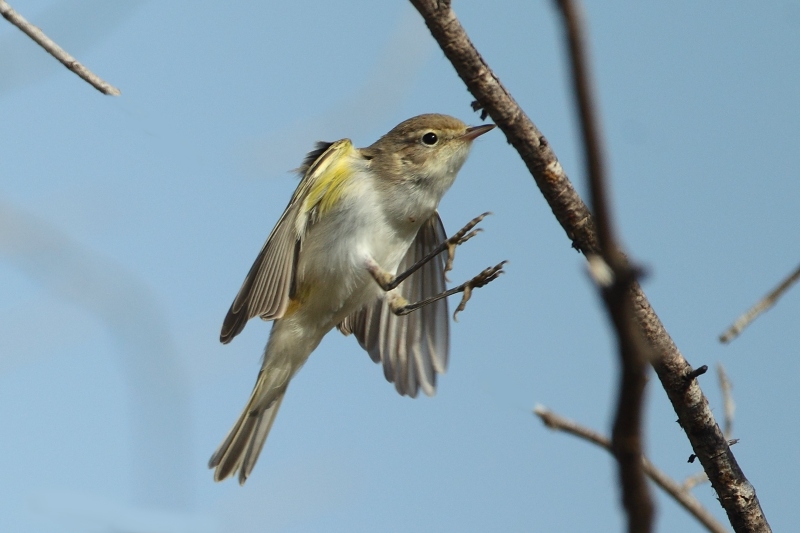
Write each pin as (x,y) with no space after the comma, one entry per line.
(430,138)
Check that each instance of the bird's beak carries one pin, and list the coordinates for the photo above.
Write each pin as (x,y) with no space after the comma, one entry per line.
(476,131)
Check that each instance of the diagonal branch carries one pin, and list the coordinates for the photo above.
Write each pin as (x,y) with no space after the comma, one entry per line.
(736,494)
(56,51)
(680,494)
(726,388)
(627,439)
(762,305)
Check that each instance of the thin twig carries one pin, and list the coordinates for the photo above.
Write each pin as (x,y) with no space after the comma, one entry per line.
(627,432)
(736,494)
(762,305)
(726,387)
(56,51)
(685,498)
(695,479)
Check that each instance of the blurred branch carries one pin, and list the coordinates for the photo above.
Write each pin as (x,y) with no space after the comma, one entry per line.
(736,494)
(695,479)
(627,439)
(56,51)
(726,387)
(762,305)
(681,495)
(158,391)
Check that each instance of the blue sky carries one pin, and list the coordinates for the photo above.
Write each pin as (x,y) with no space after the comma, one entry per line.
(129,223)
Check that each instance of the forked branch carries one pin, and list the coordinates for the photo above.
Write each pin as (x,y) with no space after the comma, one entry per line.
(680,494)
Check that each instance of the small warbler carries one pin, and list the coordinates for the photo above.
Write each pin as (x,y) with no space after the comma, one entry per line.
(358,216)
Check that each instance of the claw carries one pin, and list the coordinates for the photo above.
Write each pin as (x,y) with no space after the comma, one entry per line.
(400,306)
(460,237)
(484,278)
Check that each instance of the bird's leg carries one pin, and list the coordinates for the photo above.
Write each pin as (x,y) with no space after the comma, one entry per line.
(400,306)
(388,282)
(460,237)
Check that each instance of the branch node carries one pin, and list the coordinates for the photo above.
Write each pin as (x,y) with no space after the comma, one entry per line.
(477,106)
(697,372)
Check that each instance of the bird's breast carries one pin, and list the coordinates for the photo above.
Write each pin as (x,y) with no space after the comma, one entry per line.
(332,280)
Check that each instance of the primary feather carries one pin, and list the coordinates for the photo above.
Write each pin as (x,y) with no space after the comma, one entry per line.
(269,284)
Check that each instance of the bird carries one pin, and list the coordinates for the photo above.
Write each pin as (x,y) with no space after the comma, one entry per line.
(358,217)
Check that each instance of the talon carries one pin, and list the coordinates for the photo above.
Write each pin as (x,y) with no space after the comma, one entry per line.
(452,244)
(484,278)
(470,235)
(463,303)
(451,255)
(471,224)
(488,275)
(460,237)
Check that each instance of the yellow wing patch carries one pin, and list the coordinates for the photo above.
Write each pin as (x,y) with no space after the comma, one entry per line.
(328,177)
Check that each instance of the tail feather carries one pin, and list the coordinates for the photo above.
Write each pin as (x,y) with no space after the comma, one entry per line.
(240,449)
(257,441)
(290,343)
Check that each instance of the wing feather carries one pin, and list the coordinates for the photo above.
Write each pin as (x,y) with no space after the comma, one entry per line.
(269,283)
(413,348)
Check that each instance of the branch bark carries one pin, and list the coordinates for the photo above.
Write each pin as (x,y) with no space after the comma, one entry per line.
(56,51)
(736,494)
(680,494)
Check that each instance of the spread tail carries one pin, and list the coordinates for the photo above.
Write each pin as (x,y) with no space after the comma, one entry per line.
(239,451)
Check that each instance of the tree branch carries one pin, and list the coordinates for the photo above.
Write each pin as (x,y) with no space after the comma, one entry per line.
(633,352)
(56,51)
(681,495)
(762,305)
(735,493)
(726,387)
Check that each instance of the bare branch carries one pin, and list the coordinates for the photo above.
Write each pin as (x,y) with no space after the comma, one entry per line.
(736,494)
(681,495)
(56,51)
(633,351)
(762,305)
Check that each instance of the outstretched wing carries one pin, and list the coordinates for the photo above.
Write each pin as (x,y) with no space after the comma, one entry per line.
(269,285)
(413,348)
